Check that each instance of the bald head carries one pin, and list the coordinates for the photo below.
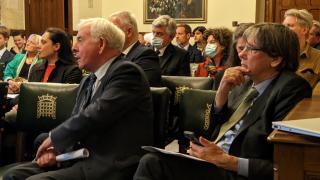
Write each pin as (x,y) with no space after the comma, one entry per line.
(126,21)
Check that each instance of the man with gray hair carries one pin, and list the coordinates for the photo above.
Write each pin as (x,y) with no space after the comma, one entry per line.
(144,56)
(113,105)
(174,61)
(300,21)
(314,35)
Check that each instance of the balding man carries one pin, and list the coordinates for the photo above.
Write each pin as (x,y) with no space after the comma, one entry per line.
(144,56)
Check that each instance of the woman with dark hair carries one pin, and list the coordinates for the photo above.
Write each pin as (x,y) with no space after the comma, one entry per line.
(59,65)
(199,42)
(216,51)
(236,47)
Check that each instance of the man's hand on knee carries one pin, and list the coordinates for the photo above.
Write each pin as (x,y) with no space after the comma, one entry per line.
(47,159)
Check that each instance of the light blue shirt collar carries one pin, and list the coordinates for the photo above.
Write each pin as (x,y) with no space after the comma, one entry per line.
(262,86)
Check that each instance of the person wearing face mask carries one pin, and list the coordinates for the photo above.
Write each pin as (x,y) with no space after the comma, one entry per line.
(173,60)
(237,46)
(216,52)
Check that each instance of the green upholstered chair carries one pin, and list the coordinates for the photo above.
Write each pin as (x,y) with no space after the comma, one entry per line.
(195,109)
(161,100)
(3,109)
(41,107)
(177,84)
(195,114)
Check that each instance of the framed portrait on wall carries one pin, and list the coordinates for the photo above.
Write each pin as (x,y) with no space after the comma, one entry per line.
(183,11)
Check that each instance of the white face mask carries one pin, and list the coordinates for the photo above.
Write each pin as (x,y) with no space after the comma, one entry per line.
(211,50)
(157,42)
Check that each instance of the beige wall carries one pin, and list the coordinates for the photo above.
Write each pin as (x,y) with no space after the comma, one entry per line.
(220,12)
(12,13)
(85,9)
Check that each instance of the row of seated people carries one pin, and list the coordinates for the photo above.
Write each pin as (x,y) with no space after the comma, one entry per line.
(252,51)
(51,62)
(278,93)
(215,44)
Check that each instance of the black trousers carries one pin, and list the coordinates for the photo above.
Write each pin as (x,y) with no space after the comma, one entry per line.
(31,171)
(157,166)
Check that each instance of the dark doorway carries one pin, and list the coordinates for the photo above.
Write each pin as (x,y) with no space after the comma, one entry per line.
(41,14)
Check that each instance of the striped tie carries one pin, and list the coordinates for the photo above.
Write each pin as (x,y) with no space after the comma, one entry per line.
(92,80)
(239,113)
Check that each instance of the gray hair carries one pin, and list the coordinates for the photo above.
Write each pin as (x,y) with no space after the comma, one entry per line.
(317,25)
(127,18)
(168,22)
(103,28)
(35,38)
(304,18)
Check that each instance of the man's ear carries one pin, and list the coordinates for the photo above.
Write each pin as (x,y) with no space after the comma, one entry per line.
(129,32)
(102,44)
(188,35)
(276,62)
(305,30)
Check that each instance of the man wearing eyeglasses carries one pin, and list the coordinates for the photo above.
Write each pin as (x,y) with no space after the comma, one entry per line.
(241,151)
(300,21)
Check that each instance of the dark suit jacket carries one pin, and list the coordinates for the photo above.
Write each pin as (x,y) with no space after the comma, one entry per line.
(272,105)
(63,73)
(175,62)
(148,60)
(114,126)
(195,54)
(5,59)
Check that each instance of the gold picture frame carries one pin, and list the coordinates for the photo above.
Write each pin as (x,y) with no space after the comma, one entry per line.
(183,11)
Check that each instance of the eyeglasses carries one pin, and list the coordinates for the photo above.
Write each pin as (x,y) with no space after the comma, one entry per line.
(251,49)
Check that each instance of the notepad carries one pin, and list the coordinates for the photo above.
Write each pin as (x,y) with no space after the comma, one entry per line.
(309,127)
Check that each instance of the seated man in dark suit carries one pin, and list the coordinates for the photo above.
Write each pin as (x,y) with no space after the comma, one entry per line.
(5,55)
(144,56)
(113,106)
(183,34)
(263,89)
(174,61)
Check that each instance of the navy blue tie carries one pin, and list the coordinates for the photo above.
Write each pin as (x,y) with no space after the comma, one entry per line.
(92,79)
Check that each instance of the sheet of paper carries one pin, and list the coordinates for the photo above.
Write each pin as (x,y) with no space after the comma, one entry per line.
(155,149)
(12,96)
(81,153)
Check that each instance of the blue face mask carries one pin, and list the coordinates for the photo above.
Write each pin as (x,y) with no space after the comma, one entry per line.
(210,50)
(157,42)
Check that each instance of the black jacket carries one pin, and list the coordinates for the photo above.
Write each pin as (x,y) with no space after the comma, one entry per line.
(62,73)
(148,60)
